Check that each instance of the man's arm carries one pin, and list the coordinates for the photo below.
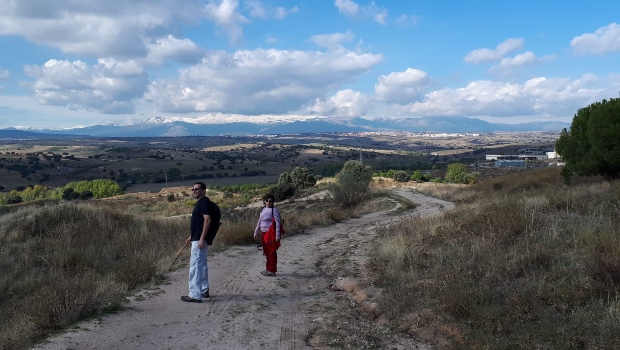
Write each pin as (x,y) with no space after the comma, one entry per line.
(205,229)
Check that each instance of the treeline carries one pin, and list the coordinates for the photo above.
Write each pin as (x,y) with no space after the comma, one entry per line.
(100,188)
(456,173)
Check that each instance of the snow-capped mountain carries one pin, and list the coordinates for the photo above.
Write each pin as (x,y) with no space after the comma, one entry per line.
(162,126)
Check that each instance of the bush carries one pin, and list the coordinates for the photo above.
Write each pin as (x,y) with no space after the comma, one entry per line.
(300,178)
(417,176)
(401,176)
(86,195)
(13,198)
(282,191)
(69,194)
(351,187)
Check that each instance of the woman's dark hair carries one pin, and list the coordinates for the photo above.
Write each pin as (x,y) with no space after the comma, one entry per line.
(269,196)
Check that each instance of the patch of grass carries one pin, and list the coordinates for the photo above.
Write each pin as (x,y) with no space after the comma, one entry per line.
(505,262)
(65,262)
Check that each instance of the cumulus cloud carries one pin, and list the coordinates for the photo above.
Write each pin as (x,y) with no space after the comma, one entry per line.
(351,9)
(488,55)
(259,10)
(345,103)
(401,87)
(332,41)
(525,59)
(558,97)
(107,87)
(223,13)
(170,48)
(114,28)
(603,40)
(259,81)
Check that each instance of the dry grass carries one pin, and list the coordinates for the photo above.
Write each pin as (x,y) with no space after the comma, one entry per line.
(64,261)
(528,265)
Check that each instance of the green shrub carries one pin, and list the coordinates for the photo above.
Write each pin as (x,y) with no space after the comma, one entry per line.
(282,191)
(351,187)
(401,176)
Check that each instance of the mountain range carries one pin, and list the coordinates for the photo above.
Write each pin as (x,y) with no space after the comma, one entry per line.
(171,127)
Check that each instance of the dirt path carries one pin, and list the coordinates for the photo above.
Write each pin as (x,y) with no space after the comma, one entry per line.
(314,302)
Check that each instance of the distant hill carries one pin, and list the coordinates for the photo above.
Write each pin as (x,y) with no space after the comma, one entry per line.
(25,134)
(163,127)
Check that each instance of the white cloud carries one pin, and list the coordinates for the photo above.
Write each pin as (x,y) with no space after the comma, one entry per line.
(351,9)
(259,81)
(557,97)
(603,40)
(345,103)
(488,55)
(170,48)
(405,21)
(347,7)
(259,10)
(525,59)
(4,74)
(107,87)
(115,28)
(282,12)
(332,41)
(401,87)
(224,14)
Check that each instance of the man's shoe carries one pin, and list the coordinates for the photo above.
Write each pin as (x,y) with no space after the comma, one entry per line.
(268,273)
(190,299)
(205,294)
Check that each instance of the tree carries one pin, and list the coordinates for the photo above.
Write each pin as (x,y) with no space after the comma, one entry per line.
(401,176)
(13,197)
(592,145)
(457,173)
(174,173)
(69,194)
(351,187)
(300,178)
(417,176)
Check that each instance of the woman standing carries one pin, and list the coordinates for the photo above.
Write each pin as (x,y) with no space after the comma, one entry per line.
(269,227)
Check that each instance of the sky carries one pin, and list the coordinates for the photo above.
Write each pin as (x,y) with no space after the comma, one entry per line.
(68,63)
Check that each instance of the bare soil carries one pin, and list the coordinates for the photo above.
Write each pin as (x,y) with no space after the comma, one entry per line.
(321,298)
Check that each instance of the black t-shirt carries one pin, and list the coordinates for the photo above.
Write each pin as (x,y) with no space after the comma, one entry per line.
(201,208)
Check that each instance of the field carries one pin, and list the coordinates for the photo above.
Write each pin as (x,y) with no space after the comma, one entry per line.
(148,164)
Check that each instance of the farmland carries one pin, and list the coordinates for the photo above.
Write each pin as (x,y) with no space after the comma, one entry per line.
(145,164)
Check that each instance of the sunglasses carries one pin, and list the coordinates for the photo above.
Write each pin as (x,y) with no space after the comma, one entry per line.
(269,200)
(196,189)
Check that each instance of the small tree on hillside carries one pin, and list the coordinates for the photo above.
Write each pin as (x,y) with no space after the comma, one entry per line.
(592,145)
(457,173)
(401,176)
(352,183)
(299,177)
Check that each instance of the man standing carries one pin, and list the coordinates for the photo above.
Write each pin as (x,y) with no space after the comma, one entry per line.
(200,223)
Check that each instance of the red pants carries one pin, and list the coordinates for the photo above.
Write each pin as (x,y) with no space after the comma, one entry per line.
(272,262)
(269,250)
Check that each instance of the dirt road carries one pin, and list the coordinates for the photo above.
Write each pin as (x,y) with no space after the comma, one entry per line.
(313,303)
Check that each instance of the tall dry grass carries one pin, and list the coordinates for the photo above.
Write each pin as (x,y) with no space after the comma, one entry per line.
(62,262)
(529,264)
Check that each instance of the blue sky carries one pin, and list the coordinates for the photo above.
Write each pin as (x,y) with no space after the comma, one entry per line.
(67,63)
